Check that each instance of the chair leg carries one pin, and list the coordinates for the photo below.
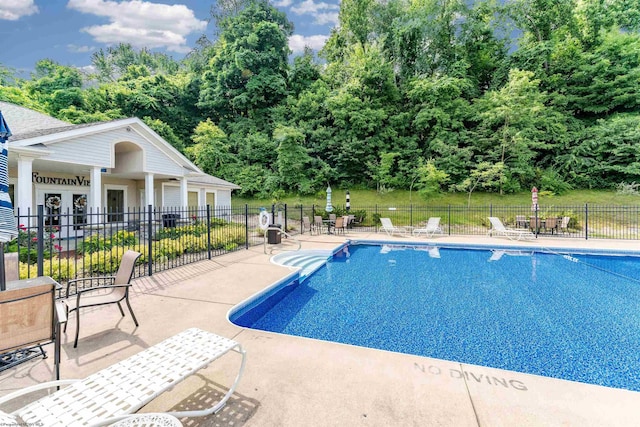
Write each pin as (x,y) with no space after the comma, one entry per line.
(131,311)
(75,342)
(66,309)
(120,307)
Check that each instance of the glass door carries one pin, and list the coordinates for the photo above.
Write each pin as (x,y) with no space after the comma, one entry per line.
(115,205)
(79,210)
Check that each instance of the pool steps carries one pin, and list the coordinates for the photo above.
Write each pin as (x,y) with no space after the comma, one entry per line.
(307,261)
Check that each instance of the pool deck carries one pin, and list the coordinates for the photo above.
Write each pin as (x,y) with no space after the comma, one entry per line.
(293,381)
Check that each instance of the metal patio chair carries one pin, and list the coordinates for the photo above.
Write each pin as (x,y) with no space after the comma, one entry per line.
(102,291)
(29,319)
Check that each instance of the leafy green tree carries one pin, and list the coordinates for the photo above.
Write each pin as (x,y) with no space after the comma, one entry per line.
(515,128)
(485,175)
(293,160)
(165,131)
(114,62)
(441,113)
(610,152)
(303,73)
(601,81)
(211,151)
(431,180)
(6,75)
(248,71)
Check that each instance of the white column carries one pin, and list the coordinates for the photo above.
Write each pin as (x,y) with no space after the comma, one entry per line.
(184,194)
(95,189)
(148,190)
(24,196)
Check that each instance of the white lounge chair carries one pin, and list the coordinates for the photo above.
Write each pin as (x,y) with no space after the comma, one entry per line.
(499,229)
(116,392)
(432,227)
(390,229)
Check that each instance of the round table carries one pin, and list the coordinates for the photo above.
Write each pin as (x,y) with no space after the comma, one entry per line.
(149,420)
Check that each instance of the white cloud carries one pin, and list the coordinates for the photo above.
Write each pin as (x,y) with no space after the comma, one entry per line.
(323,13)
(311,7)
(12,10)
(326,18)
(282,3)
(79,49)
(297,42)
(141,23)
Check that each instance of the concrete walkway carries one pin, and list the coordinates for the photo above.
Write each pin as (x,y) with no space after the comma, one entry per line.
(293,381)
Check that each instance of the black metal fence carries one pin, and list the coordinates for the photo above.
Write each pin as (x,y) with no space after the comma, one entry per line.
(79,243)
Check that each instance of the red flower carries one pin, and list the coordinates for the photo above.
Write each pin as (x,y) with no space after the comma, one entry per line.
(58,247)
(35,239)
(22,227)
(53,236)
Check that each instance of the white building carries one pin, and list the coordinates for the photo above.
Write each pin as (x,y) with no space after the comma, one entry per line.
(117,165)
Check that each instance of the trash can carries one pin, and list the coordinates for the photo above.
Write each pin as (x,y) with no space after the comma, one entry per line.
(273,236)
(169,220)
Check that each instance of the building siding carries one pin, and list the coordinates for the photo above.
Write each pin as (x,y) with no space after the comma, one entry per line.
(97,150)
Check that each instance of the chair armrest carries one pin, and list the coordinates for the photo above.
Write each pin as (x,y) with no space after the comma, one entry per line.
(61,313)
(98,288)
(87,279)
(27,390)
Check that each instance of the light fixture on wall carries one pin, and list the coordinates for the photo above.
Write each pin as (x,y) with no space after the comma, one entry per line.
(128,128)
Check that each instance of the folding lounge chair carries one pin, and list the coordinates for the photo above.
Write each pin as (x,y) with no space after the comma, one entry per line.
(499,229)
(432,227)
(390,229)
(120,390)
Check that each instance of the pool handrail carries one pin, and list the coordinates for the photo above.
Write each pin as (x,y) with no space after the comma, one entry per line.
(281,231)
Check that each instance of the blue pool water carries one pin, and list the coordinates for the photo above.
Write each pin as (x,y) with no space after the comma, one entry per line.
(570,316)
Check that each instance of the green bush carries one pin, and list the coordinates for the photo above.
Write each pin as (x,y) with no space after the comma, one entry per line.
(97,243)
(107,261)
(167,248)
(60,270)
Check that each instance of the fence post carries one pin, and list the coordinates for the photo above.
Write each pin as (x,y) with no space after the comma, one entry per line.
(208,231)
(246,226)
(490,209)
(411,214)
(40,245)
(449,219)
(301,213)
(285,217)
(537,224)
(150,238)
(586,221)
(376,212)
(273,213)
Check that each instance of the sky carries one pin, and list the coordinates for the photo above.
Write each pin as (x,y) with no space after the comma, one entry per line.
(69,31)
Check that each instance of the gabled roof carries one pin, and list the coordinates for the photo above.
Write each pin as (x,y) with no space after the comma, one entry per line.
(203,178)
(50,131)
(34,131)
(24,120)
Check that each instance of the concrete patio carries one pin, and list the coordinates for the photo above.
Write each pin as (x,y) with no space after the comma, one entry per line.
(293,381)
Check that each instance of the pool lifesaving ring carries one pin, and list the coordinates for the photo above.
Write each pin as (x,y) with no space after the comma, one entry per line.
(263,220)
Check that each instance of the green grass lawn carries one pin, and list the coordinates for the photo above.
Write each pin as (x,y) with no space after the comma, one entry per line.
(366,198)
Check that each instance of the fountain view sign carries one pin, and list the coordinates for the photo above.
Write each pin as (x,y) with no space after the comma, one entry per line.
(77,180)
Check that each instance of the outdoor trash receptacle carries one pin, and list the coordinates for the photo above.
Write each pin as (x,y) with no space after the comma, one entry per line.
(169,220)
(273,236)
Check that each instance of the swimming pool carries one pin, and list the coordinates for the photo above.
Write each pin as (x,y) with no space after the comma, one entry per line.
(562,314)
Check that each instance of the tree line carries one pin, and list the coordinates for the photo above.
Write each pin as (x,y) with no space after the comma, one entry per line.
(430,95)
